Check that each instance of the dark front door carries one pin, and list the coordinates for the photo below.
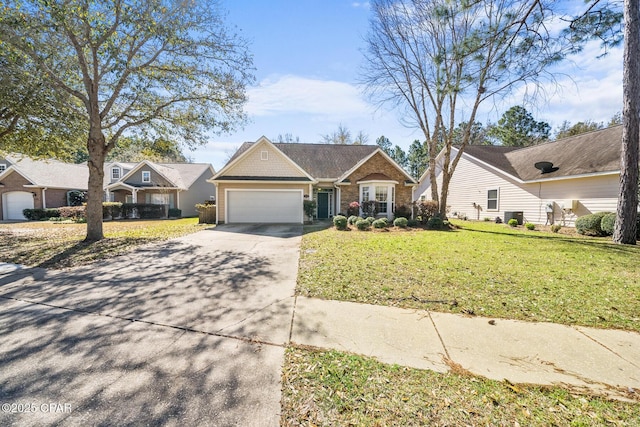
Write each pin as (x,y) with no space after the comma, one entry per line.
(323,205)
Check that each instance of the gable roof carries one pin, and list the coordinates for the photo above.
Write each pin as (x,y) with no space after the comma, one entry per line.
(181,175)
(321,161)
(591,153)
(49,173)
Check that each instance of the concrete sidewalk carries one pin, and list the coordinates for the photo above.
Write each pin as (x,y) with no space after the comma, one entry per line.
(592,360)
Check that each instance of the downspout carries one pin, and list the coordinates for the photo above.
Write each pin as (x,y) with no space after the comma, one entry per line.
(44,198)
(217,204)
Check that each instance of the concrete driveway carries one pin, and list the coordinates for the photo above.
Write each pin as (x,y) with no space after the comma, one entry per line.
(186,332)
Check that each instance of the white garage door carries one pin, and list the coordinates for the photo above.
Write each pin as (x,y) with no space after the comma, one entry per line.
(273,206)
(15,202)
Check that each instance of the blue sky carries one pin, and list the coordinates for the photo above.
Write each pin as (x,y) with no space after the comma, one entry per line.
(307,55)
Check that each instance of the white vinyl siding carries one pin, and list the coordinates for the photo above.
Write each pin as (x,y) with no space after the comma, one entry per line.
(264,206)
(471,180)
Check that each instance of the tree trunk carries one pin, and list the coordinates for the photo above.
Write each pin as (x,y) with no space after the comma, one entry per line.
(627,210)
(95,145)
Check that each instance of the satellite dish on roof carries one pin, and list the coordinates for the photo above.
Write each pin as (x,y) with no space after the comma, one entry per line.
(546,167)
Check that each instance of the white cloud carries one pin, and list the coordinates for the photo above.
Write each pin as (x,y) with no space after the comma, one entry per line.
(294,94)
(363,4)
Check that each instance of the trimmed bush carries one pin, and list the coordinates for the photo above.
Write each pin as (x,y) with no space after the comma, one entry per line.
(363,224)
(590,225)
(111,210)
(530,226)
(370,219)
(144,211)
(608,223)
(175,213)
(555,228)
(412,223)
(385,219)
(72,212)
(435,223)
(513,222)
(340,221)
(41,214)
(380,223)
(352,220)
(401,222)
(402,211)
(309,207)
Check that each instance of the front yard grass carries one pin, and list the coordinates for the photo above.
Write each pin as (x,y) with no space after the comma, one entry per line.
(60,245)
(329,388)
(481,268)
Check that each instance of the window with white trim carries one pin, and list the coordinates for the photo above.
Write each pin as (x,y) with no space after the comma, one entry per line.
(115,173)
(365,194)
(3,167)
(493,195)
(146,176)
(383,194)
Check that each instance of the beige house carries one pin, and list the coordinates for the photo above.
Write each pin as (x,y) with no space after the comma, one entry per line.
(267,183)
(176,185)
(27,184)
(553,182)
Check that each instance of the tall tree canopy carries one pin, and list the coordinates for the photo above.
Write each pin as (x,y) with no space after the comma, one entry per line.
(167,68)
(518,128)
(439,60)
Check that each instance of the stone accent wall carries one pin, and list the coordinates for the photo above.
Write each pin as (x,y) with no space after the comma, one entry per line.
(376,164)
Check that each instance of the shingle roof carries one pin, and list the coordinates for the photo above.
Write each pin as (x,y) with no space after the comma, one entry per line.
(320,160)
(52,173)
(588,153)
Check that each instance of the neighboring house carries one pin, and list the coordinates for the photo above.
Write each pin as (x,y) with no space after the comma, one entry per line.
(492,180)
(176,185)
(267,183)
(26,184)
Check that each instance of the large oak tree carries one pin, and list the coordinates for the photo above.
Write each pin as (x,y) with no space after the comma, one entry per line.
(163,68)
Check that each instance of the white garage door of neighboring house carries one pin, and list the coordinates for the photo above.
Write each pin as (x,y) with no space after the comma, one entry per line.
(15,202)
(273,206)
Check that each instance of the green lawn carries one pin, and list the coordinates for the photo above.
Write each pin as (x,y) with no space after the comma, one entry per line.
(59,245)
(329,388)
(481,268)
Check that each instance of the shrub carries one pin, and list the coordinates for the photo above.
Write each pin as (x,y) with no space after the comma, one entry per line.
(608,223)
(401,222)
(353,209)
(76,197)
(498,220)
(340,221)
(412,223)
(402,211)
(425,209)
(590,225)
(530,226)
(487,219)
(369,208)
(370,219)
(41,214)
(513,222)
(380,223)
(363,224)
(111,209)
(386,220)
(555,228)
(175,213)
(309,207)
(352,220)
(435,223)
(72,212)
(144,211)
